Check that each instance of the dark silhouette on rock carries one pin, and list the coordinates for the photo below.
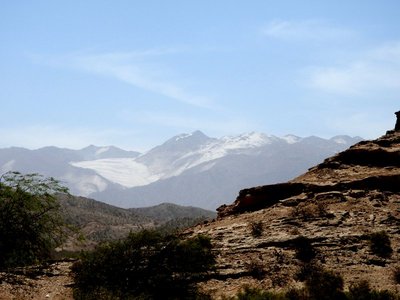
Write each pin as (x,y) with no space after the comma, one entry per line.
(397,127)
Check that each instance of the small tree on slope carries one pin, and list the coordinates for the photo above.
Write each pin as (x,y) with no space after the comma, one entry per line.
(30,223)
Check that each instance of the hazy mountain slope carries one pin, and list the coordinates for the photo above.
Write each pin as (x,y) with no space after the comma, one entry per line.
(99,221)
(188,169)
(56,162)
(213,183)
(165,212)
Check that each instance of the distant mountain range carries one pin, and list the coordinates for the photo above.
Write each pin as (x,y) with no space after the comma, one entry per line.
(188,169)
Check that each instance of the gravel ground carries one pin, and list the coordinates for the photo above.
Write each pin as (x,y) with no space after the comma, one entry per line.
(52,282)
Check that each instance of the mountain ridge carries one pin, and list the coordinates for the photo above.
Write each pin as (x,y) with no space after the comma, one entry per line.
(181,170)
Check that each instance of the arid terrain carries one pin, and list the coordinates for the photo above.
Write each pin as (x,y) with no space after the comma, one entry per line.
(51,282)
(335,206)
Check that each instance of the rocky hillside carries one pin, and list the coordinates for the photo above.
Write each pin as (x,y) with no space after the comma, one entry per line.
(338,213)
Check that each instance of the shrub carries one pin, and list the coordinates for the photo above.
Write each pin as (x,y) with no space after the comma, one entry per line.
(304,249)
(306,270)
(380,244)
(396,275)
(325,285)
(251,293)
(256,269)
(309,211)
(360,291)
(384,295)
(297,294)
(257,228)
(146,264)
(30,223)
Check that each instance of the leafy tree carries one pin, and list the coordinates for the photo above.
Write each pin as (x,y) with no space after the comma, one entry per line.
(30,223)
(146,265)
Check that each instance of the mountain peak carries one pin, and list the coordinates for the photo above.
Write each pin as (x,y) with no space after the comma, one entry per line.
(291,138)
(188,139)
(194,135)
(92,152)
(247,140)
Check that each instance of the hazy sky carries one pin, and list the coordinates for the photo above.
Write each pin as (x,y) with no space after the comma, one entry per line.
(134,73)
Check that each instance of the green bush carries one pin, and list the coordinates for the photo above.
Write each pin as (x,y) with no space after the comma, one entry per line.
(30,223)
(146,264)
(380,244)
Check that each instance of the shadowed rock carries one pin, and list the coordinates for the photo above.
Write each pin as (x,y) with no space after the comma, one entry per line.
(397,127)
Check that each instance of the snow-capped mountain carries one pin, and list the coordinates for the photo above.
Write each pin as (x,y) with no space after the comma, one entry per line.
(174,157)
(189,169)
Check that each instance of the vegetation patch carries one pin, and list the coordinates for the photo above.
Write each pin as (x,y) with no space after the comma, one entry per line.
(321,284)
(310,211)
(305,251)
(146,264)
(256,269)
(380,244)
(256,228)
(396,275)
(31,226)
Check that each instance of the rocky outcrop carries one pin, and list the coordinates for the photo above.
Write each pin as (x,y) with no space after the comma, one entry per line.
(368,165)
(335,206)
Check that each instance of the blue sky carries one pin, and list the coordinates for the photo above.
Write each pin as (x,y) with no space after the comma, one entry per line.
(134,73)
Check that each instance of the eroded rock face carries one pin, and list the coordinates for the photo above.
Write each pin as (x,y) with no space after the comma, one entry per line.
(335,205)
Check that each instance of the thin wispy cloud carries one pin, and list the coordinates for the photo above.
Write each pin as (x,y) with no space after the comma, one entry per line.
(305,30)
(375,71)
(137,69)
